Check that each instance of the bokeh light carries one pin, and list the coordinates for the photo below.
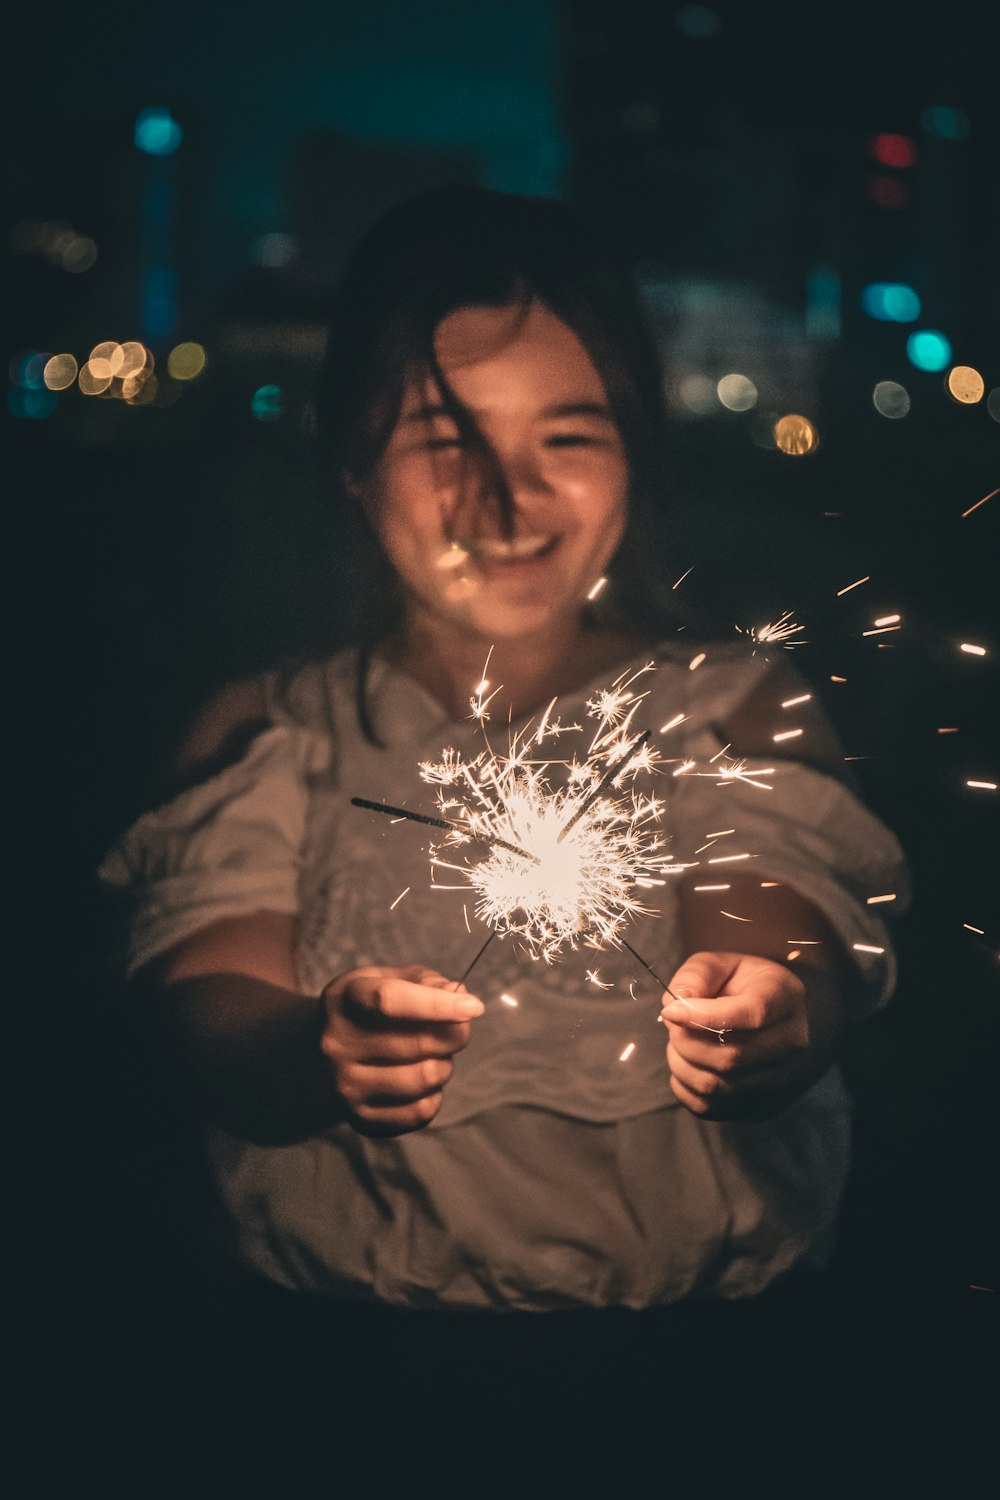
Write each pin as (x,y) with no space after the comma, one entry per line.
(94,382)
(266,403)
(966,385)
(31,404)
(60,372)
(890,302)
(945,123)
(699,22)
(157,132)
(928,349)
(889,192)
(737,392)
(134,357)
(993,403)
(891,399)
(697,394)
(891,150)
(186,361)
(795,435)
(27,369)
(275,249)
(79,255)
(140,389)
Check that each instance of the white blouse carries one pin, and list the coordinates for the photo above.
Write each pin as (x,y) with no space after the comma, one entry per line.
(555,1174)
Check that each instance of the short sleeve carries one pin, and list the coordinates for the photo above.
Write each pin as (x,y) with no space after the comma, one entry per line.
(225,848)
(809,832)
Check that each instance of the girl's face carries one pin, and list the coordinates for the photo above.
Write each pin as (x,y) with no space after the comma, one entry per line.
(536,397)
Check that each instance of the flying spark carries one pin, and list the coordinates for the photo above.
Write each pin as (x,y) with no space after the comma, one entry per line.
(627,1053)
(777,633)
(793,702)
(598,586)
(979,503)
(971,650)
(857,583)
(399,898)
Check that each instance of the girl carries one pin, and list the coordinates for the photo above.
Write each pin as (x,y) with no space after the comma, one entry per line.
(380,1137)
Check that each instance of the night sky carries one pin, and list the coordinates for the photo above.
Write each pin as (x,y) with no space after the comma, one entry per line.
(803,193)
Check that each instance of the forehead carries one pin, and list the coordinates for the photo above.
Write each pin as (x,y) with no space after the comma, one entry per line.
(497,355)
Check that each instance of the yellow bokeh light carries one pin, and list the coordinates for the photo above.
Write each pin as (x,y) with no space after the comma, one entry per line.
(966,385)
(60,372)
(139,389)
(186,361)
(94,381)
(795,435)
(133,358)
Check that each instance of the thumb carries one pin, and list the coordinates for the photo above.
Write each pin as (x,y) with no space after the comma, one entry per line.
(701,975)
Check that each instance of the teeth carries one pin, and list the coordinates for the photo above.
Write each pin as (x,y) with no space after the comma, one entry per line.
(521,546)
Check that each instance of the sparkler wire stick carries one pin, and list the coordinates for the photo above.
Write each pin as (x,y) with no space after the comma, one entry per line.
(715,1030)
(471,833)
(604,782)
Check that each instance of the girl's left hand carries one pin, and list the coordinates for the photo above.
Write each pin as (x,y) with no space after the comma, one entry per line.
(779,1034)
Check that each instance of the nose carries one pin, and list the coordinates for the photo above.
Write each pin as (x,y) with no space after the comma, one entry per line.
(505,484)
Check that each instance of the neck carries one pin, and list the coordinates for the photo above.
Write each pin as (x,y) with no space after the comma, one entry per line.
(530,669)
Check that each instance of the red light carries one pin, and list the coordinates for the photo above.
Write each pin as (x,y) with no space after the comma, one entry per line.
(893,150)
(889,192)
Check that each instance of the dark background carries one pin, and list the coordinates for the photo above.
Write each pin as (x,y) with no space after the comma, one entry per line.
(157,550)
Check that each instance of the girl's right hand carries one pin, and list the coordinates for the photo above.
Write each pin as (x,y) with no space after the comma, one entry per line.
(390,1036)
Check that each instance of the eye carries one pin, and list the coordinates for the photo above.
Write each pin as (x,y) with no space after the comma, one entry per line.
(572,440)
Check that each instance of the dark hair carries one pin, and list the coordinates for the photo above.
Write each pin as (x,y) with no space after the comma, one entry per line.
(461,246)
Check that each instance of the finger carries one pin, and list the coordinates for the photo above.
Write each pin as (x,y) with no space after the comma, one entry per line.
(712,1093)
(403,1045)
(388,1120)
(389,1086)
(770,995)
(404,1000)
(704,974)
(737,1054)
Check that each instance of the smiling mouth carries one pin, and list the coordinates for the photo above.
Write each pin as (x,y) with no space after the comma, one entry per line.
(518,549)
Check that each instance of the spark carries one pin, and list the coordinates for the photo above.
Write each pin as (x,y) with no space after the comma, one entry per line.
(777,633)
(786,734)
(794,702)
(594,977)
(722,859)
(971,650)
(713,887)
(888,620)
(598,586)
(979,503)
(881,629)
(508,1000)
(857,583)
(399,898)
(837,679)
(696,661)
(691,570)
(631,990)
(769,885)
(465,914)
(673,723)
(969,928)
(720,833)
(790,956)
(874,900)
(734,916)
(627,1053)
(866,948)
(983,786)
(950,729)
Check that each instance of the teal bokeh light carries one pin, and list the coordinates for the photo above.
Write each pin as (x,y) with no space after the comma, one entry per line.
(266,403)
(31,404)
(945,123)
(928,349)
(891,302)
(157,132)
